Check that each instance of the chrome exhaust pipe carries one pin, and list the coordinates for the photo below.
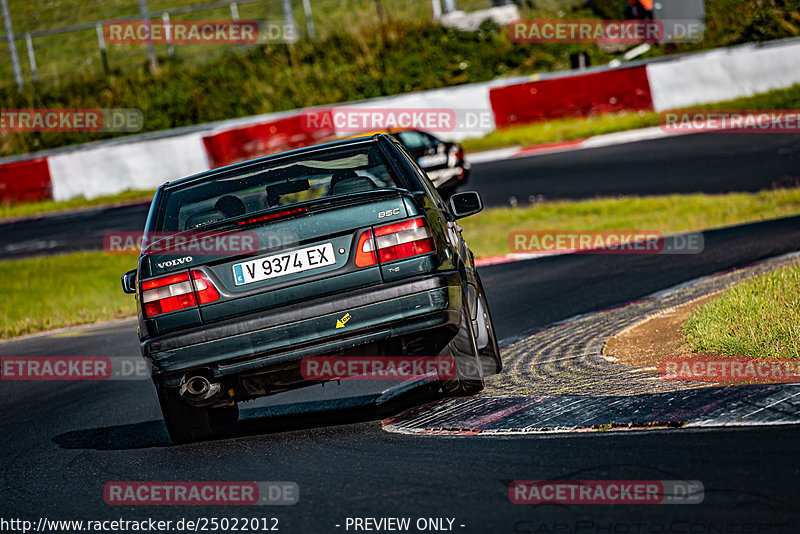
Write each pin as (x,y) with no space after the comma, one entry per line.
(198,389)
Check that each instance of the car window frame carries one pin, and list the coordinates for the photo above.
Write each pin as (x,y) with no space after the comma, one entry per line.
(263,164)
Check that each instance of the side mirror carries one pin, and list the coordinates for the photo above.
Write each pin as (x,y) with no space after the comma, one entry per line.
(465,204)
(129,282)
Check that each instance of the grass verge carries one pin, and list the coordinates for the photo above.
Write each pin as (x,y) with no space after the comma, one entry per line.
(530,134)
(757,318)
(57,291)
(562,130)
(487,233)
(25,209)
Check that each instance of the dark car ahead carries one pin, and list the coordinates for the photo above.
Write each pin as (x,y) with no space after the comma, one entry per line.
(330,250)
(443,161)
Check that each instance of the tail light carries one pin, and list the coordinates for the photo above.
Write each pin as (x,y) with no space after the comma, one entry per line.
(271,216)
(365,251)
(206,292)
(394,242)
(176,292)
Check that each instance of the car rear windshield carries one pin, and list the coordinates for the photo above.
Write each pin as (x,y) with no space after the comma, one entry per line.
(278,183)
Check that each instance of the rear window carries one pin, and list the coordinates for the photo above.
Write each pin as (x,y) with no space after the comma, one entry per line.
(276,184)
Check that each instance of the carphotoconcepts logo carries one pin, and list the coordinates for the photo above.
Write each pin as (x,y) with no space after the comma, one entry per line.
(730,370)
(605,31)
(364,119)
(606,491)
(71,120)
(201,493)
(744,121)
(378,368)
(546,242)
(189,243)
(182,32)
(676,525)
(73,368)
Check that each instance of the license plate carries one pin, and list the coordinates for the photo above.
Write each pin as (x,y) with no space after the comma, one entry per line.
(296,261)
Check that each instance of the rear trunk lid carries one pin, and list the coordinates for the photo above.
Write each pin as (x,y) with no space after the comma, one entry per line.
(277,258)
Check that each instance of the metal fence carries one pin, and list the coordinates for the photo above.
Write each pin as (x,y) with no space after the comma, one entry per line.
(55,52)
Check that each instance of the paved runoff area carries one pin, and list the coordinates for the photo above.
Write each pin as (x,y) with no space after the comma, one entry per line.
(557,379)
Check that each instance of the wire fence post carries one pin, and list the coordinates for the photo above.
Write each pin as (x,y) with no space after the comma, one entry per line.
(309,20)
(168,32)
(288,17)
(151,50)
(436,6)
(101,43)
(31,56)
(12,44)
(379,8)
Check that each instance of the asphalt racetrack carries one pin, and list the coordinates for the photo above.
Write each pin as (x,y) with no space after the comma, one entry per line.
(65,440)
(698,163)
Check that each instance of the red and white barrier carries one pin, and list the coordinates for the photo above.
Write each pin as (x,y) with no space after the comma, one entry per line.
(250,141)
(25,181)
(724,74)
(144,162)
(308,126)
(578,95)
(110,168)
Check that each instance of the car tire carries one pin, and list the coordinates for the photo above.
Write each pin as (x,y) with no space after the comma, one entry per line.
(468,379)
(490,354)
(186,423)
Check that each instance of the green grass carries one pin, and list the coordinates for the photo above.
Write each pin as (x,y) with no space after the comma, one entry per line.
(562,130)
(262,79)
(355,57)
(758,318)
(543,132)
(569,129)
(57,55)
(8,211)
(729,22)
(487,233)
(57,291)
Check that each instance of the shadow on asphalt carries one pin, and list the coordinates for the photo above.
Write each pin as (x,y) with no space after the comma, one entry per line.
(256,421)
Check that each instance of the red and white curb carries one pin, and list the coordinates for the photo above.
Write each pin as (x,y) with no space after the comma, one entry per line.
(598,141)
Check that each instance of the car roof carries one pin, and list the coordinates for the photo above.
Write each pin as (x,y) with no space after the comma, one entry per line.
(371,133)
(278,156)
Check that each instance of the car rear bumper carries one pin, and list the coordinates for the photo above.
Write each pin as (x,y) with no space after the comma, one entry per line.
(280,337)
